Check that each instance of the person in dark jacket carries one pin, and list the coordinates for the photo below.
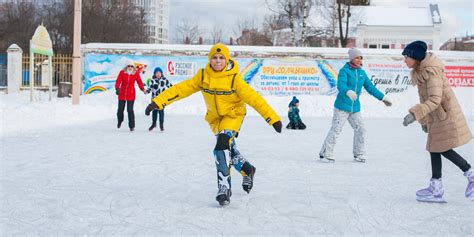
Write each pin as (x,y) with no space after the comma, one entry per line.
(156,85)
(294,115)
(125,89)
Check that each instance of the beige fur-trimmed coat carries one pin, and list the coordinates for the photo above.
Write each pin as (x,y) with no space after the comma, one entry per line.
(438,109)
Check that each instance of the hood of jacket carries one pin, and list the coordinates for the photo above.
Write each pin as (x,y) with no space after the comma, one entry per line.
(431,65)
(231,68)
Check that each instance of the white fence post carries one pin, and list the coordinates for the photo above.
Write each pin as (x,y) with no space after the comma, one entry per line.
(14,68)
(45,73)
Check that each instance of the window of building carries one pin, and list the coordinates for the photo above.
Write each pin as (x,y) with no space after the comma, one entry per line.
(385,46)
(365,45)
(430,47)
(402,46)
(372,46)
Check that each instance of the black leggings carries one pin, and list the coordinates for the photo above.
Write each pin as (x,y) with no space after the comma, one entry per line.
(450,155)
(155,116)
(131,114)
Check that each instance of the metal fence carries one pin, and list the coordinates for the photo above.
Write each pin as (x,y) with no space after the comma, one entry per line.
(61,69)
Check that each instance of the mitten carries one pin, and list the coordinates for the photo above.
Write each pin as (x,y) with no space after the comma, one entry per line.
(410,118)
(386,101)
(277,126)
(424,128)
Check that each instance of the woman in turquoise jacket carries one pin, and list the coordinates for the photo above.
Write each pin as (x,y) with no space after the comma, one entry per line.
(350,81)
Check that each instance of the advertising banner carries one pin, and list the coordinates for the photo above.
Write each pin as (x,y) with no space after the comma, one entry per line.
(269,76)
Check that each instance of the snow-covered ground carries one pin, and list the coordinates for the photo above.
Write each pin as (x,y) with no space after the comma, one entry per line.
(68,171)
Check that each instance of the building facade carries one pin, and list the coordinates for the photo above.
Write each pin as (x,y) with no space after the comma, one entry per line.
(394,27)
(459,44)
(157,18)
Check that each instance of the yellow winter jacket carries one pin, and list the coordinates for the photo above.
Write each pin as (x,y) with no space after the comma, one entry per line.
(225,94)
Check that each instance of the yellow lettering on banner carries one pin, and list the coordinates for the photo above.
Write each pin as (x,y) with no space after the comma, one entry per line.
(270,70)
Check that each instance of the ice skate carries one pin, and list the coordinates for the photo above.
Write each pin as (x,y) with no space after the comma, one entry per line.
(247,181)
(223,195)
(359,158)
(153,126)
(470,184)
(433,193)
(326,159)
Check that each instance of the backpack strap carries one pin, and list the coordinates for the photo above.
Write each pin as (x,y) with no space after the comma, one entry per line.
(233,79)
(202,75)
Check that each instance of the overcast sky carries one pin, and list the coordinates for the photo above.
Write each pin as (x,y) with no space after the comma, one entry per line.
(457,15)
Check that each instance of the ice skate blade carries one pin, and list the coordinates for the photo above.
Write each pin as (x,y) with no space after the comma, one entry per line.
(223,199)
(430,199)
(224,203)
(325,160)
(359,160)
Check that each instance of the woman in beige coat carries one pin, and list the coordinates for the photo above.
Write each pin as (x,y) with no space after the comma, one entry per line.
(440,116)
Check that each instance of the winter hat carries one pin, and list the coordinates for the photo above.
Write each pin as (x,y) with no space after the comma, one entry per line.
(354,53)
(130,62)
(220,48)
(157,69)
(415,50)
(293,101)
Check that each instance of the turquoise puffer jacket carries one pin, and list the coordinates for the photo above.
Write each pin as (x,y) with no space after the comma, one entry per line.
(350,78)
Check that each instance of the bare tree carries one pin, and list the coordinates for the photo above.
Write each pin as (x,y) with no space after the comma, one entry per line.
(296,12)
(216,34)
(273,23)
(118,21)
(243,24)
(305,6)
(18,21)
(344,11)
(188,31)
(56,16)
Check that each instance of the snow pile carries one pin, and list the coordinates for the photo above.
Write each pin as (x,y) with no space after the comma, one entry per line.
(103,106)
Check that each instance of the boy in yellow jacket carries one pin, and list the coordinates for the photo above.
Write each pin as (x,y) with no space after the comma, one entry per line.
(225,94)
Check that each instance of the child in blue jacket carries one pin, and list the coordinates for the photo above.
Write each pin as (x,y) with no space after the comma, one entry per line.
(350,81)
(294,115)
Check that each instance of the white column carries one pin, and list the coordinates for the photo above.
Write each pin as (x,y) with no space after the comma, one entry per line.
(14,70)
(45,73)
(76,54)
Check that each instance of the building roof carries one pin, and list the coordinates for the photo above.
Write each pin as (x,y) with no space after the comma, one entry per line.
(395,16)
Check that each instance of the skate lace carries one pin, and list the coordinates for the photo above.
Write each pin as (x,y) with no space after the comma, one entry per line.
(222,189)
(435,188)
(247,180)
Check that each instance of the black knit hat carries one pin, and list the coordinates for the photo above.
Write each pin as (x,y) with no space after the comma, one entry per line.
(416,50)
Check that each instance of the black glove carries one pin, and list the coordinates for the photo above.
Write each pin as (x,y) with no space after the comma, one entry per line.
(152,106)
(410,118)
(277,126)
(117,91)
(424,128)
